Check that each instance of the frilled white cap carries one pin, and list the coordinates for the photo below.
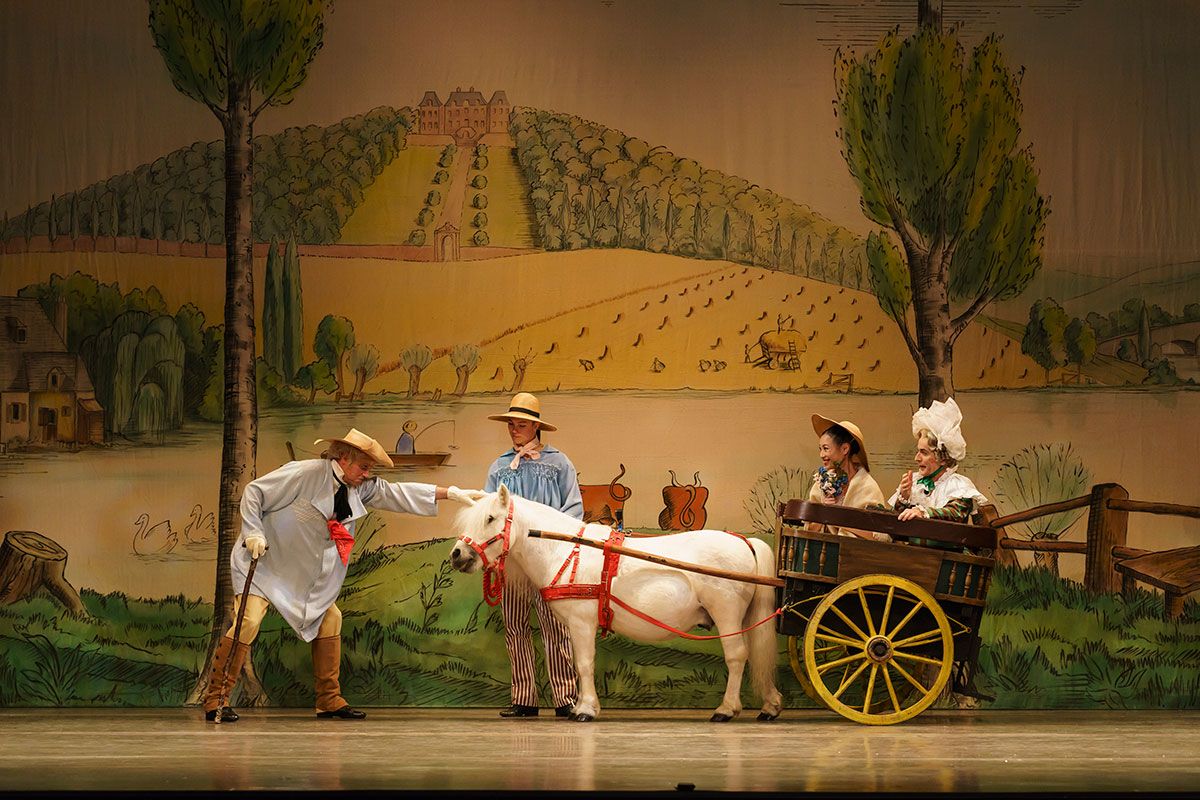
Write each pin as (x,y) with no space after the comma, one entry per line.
(943,420)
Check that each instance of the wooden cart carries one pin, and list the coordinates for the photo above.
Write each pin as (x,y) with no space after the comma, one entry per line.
(875,629)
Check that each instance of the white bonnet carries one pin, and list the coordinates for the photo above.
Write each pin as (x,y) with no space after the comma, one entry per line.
(943,420)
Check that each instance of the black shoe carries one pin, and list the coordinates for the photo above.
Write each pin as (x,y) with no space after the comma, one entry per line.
(227,715)
(564,710)
(517,710)
(345,712)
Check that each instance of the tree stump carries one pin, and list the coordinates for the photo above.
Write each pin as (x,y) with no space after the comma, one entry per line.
(29,561)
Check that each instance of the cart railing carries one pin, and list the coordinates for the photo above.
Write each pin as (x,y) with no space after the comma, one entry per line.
(976,537)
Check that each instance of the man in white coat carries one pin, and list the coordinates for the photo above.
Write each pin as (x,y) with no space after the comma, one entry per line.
(299,521)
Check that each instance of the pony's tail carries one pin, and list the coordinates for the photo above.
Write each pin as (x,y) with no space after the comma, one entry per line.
(762,639)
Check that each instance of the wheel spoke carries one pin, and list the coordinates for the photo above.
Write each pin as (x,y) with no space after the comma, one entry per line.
(827,649)
(904,674)
(833,636)
(911,657)
(849,622)
(887,608)
(846,682)
(891,689)
(912,613)
(919,639)
(862,598)
(866,706)
(828,665)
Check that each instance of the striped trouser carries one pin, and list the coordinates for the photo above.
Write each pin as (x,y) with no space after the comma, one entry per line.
(519,595)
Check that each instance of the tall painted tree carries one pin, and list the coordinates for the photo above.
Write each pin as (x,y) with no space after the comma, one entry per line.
(272,309)
(292,343)
(932,139)
(236,57)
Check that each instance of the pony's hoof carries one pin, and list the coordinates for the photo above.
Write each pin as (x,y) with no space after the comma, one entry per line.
(719,717)
(765,717)
(581,717)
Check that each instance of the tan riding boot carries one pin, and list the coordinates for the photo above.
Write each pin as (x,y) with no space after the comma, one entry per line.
(213,693)
(327,665)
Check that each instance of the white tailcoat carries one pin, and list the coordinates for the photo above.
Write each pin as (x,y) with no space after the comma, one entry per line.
(301,574)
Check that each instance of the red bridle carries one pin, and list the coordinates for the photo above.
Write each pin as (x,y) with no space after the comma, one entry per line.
(493,572)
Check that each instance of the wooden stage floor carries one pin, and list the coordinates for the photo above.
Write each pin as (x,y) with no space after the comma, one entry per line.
(644,751)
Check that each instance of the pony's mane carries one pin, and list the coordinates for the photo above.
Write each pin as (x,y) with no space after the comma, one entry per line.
(526,510)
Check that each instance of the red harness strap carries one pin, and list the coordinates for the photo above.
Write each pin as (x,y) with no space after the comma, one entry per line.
(601,592)
(493,573)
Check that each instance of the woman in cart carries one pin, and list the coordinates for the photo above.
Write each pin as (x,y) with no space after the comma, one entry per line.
(843,478)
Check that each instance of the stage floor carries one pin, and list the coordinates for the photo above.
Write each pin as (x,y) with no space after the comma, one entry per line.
(173,749)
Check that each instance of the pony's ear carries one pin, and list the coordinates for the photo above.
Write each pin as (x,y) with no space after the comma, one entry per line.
(502,496)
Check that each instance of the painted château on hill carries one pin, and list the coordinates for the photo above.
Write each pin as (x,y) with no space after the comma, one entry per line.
(465,115)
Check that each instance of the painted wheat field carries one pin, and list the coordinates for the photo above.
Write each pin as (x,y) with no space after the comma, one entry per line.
(636,320)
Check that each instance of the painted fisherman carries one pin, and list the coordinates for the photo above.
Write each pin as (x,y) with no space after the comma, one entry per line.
(536,471)
(844,477)
(299,522)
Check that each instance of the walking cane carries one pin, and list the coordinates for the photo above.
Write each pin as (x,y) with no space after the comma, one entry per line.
(223,697)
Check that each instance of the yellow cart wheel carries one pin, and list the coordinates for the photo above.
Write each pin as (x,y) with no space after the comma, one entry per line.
(871,637)
(796,659)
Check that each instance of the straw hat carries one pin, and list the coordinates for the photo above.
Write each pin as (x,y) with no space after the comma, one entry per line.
(360,441)
(822,424)
(524,406)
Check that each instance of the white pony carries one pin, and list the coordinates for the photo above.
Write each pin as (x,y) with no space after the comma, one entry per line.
(675,597)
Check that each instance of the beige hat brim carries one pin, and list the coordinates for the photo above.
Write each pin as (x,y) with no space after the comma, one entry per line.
(822,424)
(365,444)
(507,415)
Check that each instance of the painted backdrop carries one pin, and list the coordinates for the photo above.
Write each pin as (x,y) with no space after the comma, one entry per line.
(685,226)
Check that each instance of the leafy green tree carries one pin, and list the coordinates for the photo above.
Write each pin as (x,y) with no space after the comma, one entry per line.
(363,362)
(236,57)
(316,376)
(1045,335)
(415,358)
(272,313)
(931,139)
(1079,341)
(1127,351)
(334,338)
(1143,333)
(465,359)
(292,343)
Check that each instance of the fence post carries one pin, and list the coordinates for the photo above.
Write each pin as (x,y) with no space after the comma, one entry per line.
(1004,556)
(1106,529)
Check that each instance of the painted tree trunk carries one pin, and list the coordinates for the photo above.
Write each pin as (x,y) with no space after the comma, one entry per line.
(931,313)
(464,375)
(30,561)
(239,441)
(414,380)
(341,379)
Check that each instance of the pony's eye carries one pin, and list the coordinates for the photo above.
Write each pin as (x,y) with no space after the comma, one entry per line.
(490,520)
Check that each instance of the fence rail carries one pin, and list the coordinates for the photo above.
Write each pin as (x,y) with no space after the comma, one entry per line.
(1109,508)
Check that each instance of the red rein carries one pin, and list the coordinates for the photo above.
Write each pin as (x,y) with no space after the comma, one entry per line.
(493,572)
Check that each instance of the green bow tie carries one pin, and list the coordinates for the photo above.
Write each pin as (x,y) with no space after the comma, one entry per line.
(929,480)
